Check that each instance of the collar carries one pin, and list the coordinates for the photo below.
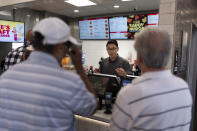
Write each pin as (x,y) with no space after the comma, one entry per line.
(43,59)
(153,75)
(117,57)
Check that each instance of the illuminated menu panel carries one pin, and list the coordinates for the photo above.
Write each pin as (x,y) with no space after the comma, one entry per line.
(118,27)
(153,20)
(94,28)
(135,24)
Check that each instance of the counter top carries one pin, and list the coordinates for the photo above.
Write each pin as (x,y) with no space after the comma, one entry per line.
(101,116)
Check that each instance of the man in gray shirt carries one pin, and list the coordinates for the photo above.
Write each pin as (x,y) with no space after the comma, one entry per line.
(114,65)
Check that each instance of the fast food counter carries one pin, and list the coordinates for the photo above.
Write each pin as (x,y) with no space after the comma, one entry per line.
(97,122)
(100,120)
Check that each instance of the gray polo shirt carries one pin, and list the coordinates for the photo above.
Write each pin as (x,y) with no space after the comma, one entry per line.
(108,66)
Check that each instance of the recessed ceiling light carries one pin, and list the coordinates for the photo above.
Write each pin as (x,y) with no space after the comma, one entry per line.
(76,11)
(116,6)
(127,0)
(80,3)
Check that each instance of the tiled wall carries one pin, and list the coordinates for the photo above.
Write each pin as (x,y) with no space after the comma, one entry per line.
(167,20)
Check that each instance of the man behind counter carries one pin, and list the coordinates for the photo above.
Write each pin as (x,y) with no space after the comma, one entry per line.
(114,65)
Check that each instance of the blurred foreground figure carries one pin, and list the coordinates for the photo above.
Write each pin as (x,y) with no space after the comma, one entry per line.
(38,95)
(157,100)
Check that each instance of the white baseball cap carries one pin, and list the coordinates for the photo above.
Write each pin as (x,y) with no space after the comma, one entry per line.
(54,30)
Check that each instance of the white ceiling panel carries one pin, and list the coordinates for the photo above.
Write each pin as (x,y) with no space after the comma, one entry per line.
(103,7)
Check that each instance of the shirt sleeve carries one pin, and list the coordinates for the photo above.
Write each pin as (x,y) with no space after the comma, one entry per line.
(83,102)
(121,119)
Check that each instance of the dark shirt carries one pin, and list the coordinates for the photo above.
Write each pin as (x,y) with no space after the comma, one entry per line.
(108,66)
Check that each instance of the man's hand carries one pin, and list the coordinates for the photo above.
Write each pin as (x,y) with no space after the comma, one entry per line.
(96,70)
(77,62)
(76,58)
(121,71)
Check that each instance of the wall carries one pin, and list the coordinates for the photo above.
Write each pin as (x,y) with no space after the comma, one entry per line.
(185,20)
(30,17)
(167,21)
(186,14)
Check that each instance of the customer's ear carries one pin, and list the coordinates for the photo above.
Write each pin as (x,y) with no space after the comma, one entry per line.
(59,50)
(59,47)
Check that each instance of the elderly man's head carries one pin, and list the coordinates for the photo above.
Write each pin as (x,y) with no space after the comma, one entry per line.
(153,48)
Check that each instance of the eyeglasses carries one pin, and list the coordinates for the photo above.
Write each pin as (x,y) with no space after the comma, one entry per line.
(111,49)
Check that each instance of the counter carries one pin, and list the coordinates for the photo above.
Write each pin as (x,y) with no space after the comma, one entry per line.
(97,122)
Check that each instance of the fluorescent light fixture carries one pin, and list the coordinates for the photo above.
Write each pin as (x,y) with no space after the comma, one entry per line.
(80,3)
(116,6)
(127,0)
(76,11)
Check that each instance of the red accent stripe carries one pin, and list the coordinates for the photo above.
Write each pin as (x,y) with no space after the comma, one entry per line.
(152,24)
(154,14)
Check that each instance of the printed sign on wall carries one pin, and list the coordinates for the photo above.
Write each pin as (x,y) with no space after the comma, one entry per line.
(136,23)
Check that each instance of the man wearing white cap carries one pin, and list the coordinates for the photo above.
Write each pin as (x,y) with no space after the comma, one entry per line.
(38,95)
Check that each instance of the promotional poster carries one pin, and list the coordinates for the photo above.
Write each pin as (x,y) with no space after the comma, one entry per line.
(11,31)
(135,24)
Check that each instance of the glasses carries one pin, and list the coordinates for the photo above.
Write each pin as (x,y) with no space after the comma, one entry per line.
(111,49)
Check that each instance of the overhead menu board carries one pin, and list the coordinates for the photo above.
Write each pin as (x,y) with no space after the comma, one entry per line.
(121,27)
(94,28)
(153,20)
(118,28)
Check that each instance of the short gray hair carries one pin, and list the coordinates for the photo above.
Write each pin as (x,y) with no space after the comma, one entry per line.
(154,47)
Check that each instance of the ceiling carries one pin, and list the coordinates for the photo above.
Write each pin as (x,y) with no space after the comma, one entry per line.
(103,7)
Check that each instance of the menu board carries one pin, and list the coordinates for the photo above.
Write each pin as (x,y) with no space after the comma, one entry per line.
(94,28)
(135,24)
(11,31)
(118,28)
(153,20)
